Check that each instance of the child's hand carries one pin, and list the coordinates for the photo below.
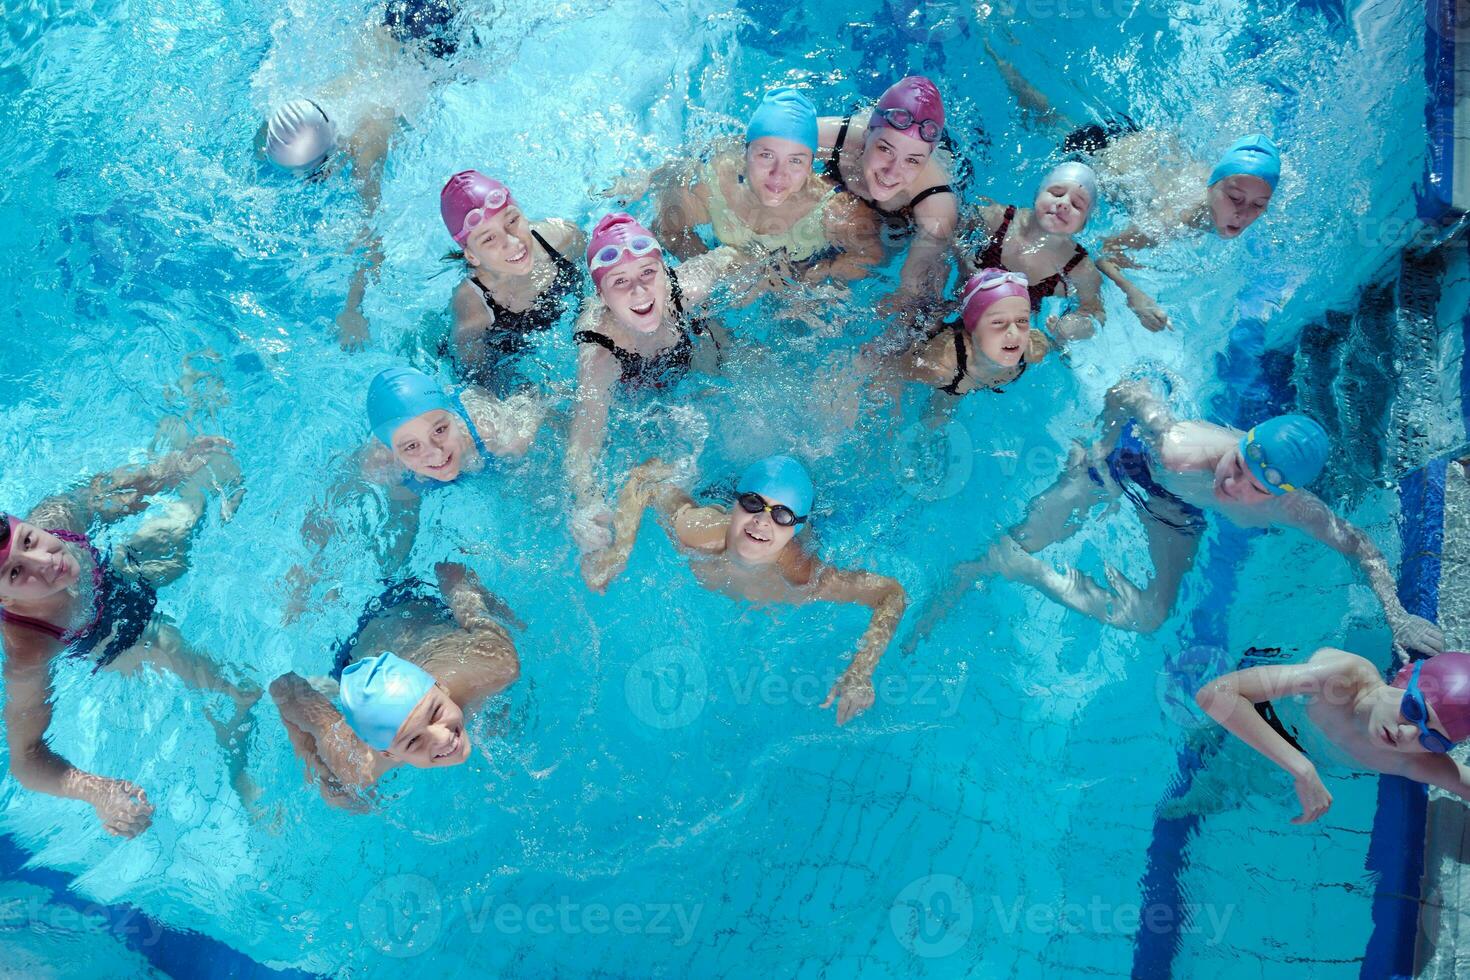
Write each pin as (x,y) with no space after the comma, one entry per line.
(600,568)
(122,806)
(1416,633)
(629,187)
(592,527)
(1037,347)
(1149,313)
(1312,795)
(853,693)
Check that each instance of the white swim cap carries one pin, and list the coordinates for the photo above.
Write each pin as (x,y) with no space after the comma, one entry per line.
(299,136)
(1074,173)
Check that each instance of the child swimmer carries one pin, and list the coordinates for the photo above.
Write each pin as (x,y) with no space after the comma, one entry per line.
(751,552)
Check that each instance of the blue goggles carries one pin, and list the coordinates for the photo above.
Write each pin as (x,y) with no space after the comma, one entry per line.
(1415,710)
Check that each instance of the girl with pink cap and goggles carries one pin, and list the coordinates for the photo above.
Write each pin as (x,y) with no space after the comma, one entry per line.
(989,346)
(894,172)
(637,335)
(1406,728)
(517,283)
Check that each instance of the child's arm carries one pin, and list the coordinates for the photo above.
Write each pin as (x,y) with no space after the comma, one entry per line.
(597,372)
(1231,700)
(646,487)
(347,760)
(1305,512)
(480,612)
(853,691)
(506,425)
(119,493)
(1441,771)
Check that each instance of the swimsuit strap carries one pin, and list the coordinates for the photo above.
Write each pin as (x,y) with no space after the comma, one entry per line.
(630,362)
(930,192)
(1048,286)
(962,363)
(1079,253)
(470,424)
(51,629)
(676,294)
(834,162)
(992,255)
(563,264)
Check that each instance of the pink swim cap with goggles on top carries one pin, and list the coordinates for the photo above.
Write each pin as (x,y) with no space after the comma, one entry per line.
(618,238)
(988,287)
(1444,680)
(469,198)
(911,104)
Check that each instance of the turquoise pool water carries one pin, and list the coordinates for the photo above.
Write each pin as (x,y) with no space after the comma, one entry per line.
(659,794)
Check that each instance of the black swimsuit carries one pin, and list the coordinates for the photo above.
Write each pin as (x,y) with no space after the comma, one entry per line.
(428,21)
(510,335)
(658,370)
(904,215)
(990,257)
(962,365)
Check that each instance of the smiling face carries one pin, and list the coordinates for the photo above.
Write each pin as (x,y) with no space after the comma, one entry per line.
(776,168)
(1236,202)
(39,565)
(432,445)
(433,735)
(1389,729)
(1236,484)
(637,292)
(501,244)
(754,538)
(1004,330)
(1062,208)
(892,161)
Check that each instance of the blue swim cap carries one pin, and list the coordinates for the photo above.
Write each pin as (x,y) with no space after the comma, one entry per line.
(1255,155)
(1286,453)
(378,693)
(398,395)
(782,480)
(787,114)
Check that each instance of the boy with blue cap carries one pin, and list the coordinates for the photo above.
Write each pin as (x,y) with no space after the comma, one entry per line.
(420,668)
(1174,471)
(424,438)
(751,552)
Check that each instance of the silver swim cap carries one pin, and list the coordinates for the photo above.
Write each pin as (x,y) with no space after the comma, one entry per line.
(299,136)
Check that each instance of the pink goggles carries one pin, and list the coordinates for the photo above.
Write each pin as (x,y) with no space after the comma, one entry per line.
(634,248)
(495,202)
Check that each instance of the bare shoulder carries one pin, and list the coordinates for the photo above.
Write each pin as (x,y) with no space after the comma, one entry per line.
(702,528)
(563,236)
(799,567)
(1344,664)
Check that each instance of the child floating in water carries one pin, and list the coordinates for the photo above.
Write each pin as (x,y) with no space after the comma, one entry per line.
(519,282)
(1174,471)
(60,596)
(1039,243)
(406,707)
(1170,193)
(751,552)
(425,438)
(1403,729)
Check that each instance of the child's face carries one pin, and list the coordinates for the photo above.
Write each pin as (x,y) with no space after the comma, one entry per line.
(501,244)
(754,538)
(38,566)
(636,293)
(1004,330)
(1236,202)
(431,445)
(1389,729)
(1236,484)
(433,735)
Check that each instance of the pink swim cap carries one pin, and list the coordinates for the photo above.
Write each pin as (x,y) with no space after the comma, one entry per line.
(1444,680)
(471,195)
(988,287)
(618,238)
(919,97)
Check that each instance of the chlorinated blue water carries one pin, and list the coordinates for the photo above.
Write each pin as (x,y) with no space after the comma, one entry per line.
(660,794)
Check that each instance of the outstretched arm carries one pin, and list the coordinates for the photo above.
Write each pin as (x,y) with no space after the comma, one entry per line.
(327,745)
(1078,324)
(122,806)
(597,372)
(647,486)
(1231,700)
(853,691)
(1305,512)
(369,149)
(482,614)
(1115,259)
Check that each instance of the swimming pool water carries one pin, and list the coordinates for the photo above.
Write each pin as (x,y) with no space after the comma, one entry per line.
(659,795)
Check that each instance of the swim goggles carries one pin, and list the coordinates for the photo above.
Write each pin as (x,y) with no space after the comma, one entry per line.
(1413,708)
(994,278)
(903,120)
(636,247)
(1256,456)
(754,503)
(494,202)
